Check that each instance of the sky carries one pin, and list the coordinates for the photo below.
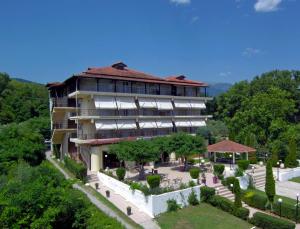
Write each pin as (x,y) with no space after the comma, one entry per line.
(205,40)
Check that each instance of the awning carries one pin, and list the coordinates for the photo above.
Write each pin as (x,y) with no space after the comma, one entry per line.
(197,123)
(126,103)
(164,124)
(147,103)
(126,124)
(106,125)
(197,104)
(105,102)
(182,123)
(164,104)
(182,103)
(147,124)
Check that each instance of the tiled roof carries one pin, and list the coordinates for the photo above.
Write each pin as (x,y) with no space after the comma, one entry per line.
(229,146)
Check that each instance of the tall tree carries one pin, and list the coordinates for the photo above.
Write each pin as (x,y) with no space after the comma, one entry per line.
(237,194)
(291,159)
(270,184)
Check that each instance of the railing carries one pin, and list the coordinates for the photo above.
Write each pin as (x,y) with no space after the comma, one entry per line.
(63,102)
(64,125)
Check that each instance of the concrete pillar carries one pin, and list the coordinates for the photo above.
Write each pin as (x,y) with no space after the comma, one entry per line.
(96,159)
(215,157)
(233,158)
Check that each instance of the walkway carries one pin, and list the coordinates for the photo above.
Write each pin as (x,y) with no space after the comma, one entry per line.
(92,198)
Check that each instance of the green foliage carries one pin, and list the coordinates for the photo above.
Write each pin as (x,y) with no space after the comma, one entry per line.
(192,183)
(266,221)
(121,173)
(291,159)
(206,193)
(228,181)
(21,101)
(288,210)
(78,169)
(172,205)
(270,183)
(219,170)
(192,198)
(194,173)
(237,194)
(243,164)
(228,206)
(39,197)
(238,172)
(153,181)
(255,200)
(214,131)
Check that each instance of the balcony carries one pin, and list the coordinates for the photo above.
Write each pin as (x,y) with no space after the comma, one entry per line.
(59,129)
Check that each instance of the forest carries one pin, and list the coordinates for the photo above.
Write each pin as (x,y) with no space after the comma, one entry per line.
(33,194)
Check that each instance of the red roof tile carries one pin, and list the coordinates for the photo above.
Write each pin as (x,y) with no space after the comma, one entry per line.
(229,146)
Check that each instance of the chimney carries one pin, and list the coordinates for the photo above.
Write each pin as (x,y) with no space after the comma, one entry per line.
(119,66)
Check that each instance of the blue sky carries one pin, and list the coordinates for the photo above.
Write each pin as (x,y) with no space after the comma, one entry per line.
(207,40)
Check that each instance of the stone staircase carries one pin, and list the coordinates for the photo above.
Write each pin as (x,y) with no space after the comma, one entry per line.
(223,191)
(92,177)
(259,177)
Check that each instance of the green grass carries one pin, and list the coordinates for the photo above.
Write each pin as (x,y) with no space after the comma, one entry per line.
(295,179)
(202,216)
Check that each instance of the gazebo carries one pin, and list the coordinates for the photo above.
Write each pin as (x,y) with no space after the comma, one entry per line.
(228,146)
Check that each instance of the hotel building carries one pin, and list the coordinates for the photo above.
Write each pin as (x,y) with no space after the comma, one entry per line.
(105,105)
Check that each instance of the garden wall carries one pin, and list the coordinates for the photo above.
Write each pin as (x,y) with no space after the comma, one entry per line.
(152,205)
(286,174)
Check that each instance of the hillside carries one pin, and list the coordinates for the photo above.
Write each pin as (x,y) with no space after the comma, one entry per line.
(216,89)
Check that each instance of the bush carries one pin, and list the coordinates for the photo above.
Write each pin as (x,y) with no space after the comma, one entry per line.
(192,199)
(239,172)
(153,181)
(194,172)
(138,186)
(192,183)
(287,210)
(237,194)
(206,193)
(228,206)
(243,164)
(228,181)
(255,200)
(172,205)
(191,161)
(219,170)
(270,222)
(78,169)
(121,173)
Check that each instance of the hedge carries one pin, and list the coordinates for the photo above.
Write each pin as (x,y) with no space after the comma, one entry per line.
(206,193)
(255,200)
(194,173)
(78,169)
(228,206)
(287,210)
(270,222)
(121,173)
(153,181)
(243,164)
(219,170)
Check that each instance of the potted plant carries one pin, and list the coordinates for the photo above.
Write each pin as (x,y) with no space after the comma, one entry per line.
(129,210)
(194,173)
(107,192)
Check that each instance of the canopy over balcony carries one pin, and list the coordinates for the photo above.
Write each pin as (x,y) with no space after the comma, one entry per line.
(228,146)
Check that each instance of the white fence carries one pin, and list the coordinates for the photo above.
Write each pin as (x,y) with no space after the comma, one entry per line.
(152,205)
(286,174)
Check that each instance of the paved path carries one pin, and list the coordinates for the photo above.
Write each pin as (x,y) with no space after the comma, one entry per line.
(92,198)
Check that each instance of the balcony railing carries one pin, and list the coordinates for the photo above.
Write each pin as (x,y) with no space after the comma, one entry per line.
(64,125)
(63,102)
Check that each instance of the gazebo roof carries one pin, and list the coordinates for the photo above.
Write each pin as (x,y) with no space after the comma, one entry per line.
(229,146)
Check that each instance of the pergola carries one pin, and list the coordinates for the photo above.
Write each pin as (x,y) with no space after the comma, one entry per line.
(228,146)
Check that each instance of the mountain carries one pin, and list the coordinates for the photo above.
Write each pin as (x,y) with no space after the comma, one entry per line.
(216,89)
(22,80)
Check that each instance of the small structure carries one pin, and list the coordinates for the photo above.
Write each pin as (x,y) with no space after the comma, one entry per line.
(228,146)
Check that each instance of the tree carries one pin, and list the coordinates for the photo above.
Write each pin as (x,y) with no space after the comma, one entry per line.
(140,151)
(270,184)
(184,145)
(237,194)
(291,159)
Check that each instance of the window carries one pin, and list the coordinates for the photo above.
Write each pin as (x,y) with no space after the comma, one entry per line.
(106,85)
(138,88)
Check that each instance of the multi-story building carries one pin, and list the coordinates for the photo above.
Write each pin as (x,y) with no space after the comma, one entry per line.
(105,105)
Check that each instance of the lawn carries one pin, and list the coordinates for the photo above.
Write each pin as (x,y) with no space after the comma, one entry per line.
(202,216)
(295,179)
(284,198)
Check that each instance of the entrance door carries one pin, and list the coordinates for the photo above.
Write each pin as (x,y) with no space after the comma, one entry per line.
(110,160)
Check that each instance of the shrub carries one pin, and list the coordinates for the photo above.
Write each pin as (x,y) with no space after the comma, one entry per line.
(138,186)
(270,183)
(192,199)
(219,170)
(206,193)
(243,164)
(228,206)
(194,172)
(192,183)
(242,213)
(270,222)
(239,172)
(228,181)
(287,210)
(191,161)
(153,181)
(237,194)
(172,205)
(291,159)
(78,169)
(255,200)
(121,173)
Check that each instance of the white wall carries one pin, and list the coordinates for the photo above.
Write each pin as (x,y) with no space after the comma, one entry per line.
(286,174)
(152,205)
